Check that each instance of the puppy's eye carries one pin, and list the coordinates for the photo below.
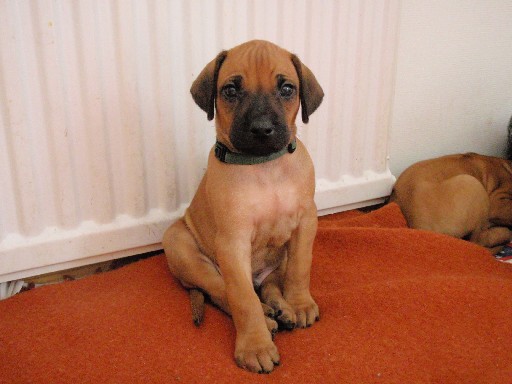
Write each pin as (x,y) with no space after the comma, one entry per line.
(230,92)
(287,90)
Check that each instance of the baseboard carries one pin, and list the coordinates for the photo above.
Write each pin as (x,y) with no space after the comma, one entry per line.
(60,249)
(353,192)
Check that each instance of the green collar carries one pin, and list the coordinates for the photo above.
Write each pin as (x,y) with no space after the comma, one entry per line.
(226,156)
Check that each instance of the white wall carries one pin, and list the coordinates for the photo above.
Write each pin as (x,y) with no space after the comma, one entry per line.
(102,147)
(454,80)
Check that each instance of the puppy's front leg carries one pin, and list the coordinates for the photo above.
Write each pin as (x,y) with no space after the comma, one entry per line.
(254,349)
(297,277)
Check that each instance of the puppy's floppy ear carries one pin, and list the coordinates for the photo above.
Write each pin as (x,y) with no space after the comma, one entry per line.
(204,87)
(310,92)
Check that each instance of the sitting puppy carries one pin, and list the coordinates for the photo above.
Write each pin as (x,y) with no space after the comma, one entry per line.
(467,196)
(253,219)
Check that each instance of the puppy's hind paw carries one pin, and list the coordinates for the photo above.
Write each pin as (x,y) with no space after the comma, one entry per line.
(271,326)
(268,311)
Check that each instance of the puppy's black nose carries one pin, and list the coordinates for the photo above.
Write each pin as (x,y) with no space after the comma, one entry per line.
(262,128)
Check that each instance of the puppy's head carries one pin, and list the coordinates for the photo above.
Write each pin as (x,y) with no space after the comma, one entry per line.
(256,89)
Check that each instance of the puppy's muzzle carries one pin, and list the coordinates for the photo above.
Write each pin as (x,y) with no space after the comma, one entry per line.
(261,128)
(262,137)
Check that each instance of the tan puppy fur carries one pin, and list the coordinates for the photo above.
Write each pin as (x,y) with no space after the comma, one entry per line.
(466,196)
(245,220)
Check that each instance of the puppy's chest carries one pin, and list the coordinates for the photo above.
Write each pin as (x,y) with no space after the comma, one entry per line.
(275,221)
(276,215)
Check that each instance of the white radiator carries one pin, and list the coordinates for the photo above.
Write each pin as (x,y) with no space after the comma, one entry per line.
(101,145)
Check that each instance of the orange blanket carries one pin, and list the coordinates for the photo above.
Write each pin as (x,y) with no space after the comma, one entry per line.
(397,306)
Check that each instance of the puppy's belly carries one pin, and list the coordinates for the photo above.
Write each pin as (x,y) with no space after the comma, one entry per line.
(264,261)
(260,276)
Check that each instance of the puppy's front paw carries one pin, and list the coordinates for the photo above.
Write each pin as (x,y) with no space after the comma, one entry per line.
(306,310)
(256,355)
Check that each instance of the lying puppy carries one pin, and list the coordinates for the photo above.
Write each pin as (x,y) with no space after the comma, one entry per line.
(467,196)
(253,219)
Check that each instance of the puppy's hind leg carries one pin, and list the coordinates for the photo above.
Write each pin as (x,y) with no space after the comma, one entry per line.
(194,270)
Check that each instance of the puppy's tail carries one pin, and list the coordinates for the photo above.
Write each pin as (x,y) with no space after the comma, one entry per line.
(197,305)
(509,142)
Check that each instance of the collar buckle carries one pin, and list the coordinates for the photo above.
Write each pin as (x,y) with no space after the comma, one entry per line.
(220,151)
